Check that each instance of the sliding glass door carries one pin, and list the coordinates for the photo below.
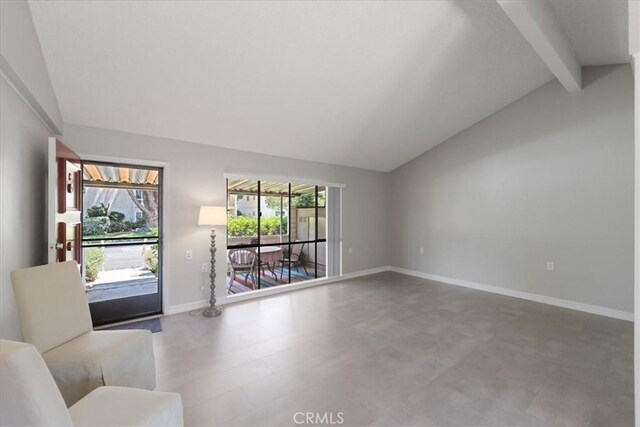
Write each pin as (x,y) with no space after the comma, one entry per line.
(276,234)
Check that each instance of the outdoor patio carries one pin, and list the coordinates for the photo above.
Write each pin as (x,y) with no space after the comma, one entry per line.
(124,274)
(267,221)
(268,280)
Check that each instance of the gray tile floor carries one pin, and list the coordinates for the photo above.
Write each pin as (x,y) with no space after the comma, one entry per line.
(392,350)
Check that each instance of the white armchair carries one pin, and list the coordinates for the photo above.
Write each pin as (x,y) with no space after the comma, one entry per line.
(54,317)
(29,397)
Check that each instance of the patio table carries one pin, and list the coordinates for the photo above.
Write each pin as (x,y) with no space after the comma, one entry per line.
(269,256)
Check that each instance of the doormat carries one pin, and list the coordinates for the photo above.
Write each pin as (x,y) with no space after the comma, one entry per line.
(152,325)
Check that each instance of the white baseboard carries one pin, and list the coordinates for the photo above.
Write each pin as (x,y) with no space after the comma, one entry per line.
(361,273)
(594,309)
(181,308)
(588,308)
(261,293)
(299,286)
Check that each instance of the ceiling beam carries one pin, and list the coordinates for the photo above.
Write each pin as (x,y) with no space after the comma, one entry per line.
(535,21)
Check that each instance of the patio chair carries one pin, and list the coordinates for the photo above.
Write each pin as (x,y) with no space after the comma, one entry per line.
(54,317)
(295,257)
(242,261)
(29,397)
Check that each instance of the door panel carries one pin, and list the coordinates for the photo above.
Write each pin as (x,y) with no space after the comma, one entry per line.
(64,203)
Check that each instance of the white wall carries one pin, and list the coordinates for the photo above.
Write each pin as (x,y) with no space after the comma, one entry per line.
(636,61)
(634,50)
(23,166)
(195,177)
(548,178)
(23,64)
(29,114)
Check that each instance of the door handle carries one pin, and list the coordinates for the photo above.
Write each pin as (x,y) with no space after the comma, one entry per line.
(59,245)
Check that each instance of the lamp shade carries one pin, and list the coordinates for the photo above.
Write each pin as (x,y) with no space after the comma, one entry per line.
(212,215)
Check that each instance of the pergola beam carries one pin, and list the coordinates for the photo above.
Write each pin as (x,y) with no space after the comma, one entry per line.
(535,21)
(250,187)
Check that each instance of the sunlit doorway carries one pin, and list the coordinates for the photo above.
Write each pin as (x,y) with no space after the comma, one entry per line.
(121,240)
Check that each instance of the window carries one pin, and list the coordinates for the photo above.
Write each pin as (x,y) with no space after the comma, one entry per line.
(283,234)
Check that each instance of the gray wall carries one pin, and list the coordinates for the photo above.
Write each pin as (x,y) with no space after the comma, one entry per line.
(195,178)
(23,63)
(26,105)
(548,178)
(23,168)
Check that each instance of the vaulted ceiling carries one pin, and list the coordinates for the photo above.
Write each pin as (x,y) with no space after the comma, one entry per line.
(363,84)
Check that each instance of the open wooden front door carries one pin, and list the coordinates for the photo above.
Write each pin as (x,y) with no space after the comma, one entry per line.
(64,204)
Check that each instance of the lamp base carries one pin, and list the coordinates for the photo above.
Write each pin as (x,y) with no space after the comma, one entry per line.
(212,311)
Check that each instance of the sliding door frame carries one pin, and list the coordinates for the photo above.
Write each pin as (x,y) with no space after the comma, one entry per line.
(289,243)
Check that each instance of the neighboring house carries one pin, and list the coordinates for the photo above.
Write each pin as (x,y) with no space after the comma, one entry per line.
(116,200)
(248,206)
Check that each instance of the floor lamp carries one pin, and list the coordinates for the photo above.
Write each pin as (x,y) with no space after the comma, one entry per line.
(212,215)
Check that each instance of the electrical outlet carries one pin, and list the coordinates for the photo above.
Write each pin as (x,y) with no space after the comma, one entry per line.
(421,251)
(203,267)
(188,254)
(551,266)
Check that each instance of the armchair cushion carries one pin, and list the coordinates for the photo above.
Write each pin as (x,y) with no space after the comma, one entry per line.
(29,397)
(52,304)
(135,408)
(96,358)
(28,394)
(54,316)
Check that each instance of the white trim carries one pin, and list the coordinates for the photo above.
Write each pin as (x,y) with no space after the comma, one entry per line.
(588,308)
(572,305)
(165,210)
(125,160)
(341,241)
(361,273)
(291,179)
(126,322)
(261,293)
(182,308)
(51,208)
(14,80)
(229,299)
(535,20)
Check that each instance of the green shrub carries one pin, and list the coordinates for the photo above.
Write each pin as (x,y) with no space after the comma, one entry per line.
(98,211)
(140,223)
(271,226)
(93,262)
(95,226)
(243,226)
(116,216)
(119,227)
(308,200)
(150,256)
(115,227)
